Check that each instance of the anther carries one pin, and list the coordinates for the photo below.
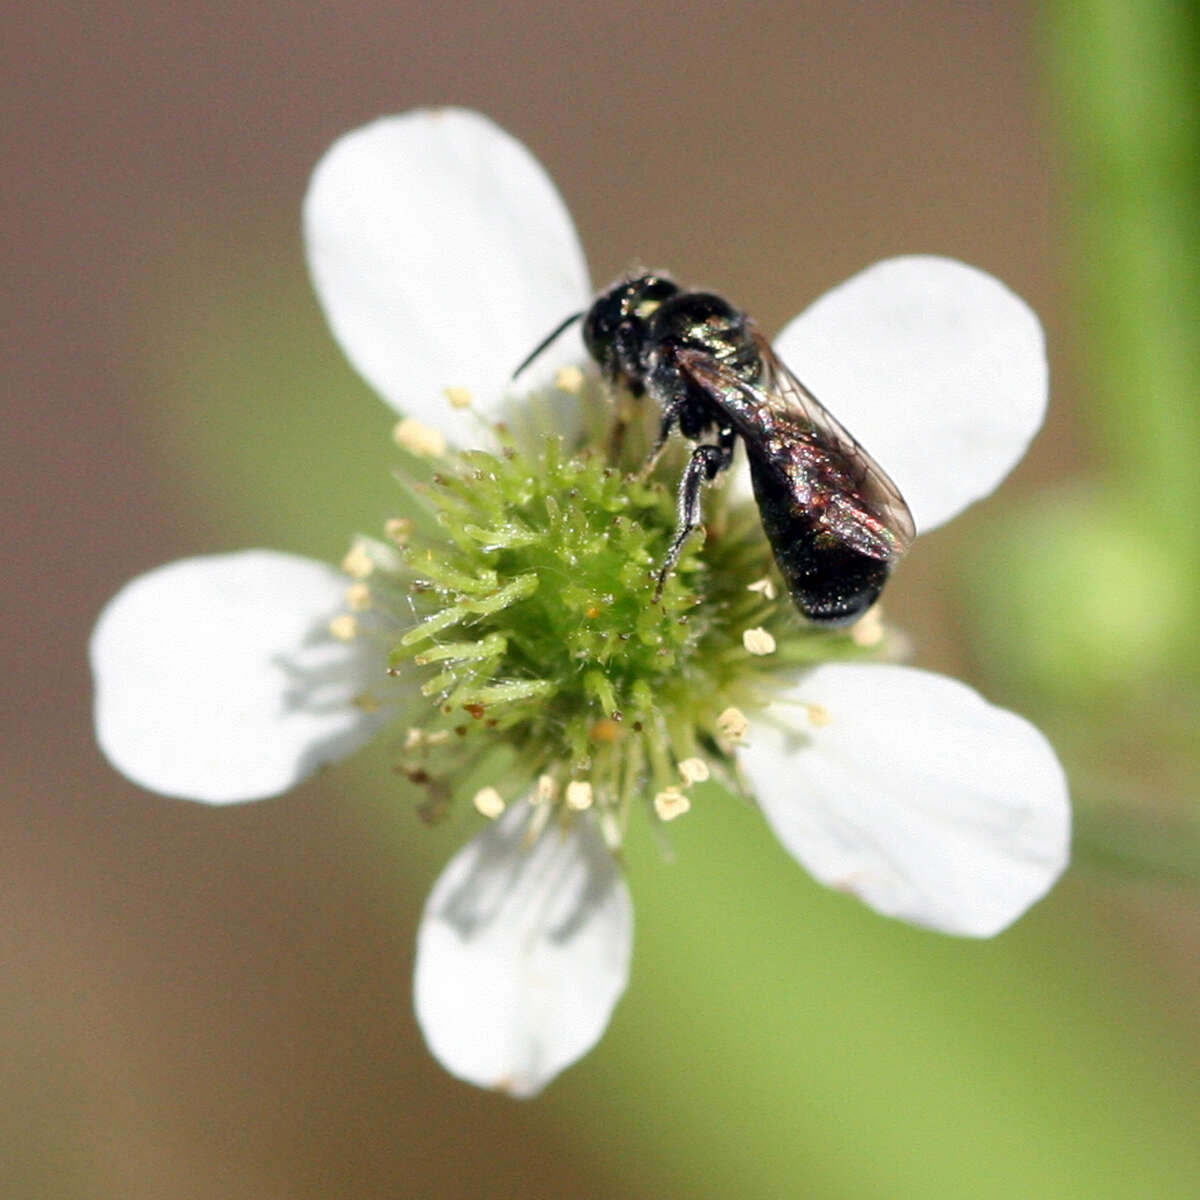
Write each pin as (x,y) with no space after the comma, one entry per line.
(579,795)
(489,803)
(410,434)
(758,641)
(569,379)
(868,629)
(358,563)
(732,724)
(344,627)
(398,529)
(358,597)
(671,803)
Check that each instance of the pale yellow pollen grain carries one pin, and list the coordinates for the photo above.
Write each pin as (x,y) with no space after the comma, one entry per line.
(358,563)
(764,586)
(671,803)
(459,397)
(579,795)
(732,724)
(758,641)
(818,714)
(545,789)
(358,597)
(411,434)
(569,379)
(489,803)
(398,529)
(344,627)
(693,770)
(868,629)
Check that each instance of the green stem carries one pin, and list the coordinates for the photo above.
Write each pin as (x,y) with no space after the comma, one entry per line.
(1124,79)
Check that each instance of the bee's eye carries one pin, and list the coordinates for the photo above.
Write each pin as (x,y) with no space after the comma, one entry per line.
(599,327)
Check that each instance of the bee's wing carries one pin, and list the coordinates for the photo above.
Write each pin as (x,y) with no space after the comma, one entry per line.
(786,394)
(863,495)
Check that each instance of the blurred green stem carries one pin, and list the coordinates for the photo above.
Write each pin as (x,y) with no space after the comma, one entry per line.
(1124,77)
(1102,578)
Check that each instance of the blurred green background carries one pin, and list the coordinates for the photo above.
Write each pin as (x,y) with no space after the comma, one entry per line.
(216,1003)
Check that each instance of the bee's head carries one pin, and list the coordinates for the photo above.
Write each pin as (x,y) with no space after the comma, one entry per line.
(614,329)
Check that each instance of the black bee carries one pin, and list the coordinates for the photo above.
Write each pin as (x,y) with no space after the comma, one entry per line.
(836,523)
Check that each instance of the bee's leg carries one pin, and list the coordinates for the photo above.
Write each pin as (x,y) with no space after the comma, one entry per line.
(668,421)
(703,467)
(726,437)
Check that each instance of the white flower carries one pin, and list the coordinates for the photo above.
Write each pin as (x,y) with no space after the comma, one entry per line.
(441,254)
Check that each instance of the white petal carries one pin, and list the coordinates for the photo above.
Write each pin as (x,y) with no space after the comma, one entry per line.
(522,953)
(442,255)
(914,793)
(217,678)
(935,367)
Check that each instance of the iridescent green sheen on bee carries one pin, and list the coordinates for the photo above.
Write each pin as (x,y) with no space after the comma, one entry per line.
(836,523)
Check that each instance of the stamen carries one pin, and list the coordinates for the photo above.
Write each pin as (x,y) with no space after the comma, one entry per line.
(358,597)
(519,596)
(410,434)
(459,397)
(671,803)
(579,795)
(358,563)
(344,627)
(569,379)
(489,803)
(758,641)
(398,530)
(868,629)
(732,725)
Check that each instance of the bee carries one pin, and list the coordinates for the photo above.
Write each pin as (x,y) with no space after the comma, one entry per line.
(836,523)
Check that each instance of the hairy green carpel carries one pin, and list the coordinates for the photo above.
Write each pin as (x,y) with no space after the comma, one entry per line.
(520,594)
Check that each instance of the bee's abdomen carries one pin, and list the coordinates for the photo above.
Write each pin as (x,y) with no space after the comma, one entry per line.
(829,581)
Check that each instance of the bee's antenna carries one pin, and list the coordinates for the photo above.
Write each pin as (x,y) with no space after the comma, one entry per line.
(547,340)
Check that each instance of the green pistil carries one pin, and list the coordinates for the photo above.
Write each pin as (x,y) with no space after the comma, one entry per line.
(525,600)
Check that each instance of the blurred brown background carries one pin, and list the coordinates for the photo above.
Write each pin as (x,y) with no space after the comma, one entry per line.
(192,1007)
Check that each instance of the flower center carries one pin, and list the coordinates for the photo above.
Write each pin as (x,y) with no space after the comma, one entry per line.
(520,595)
